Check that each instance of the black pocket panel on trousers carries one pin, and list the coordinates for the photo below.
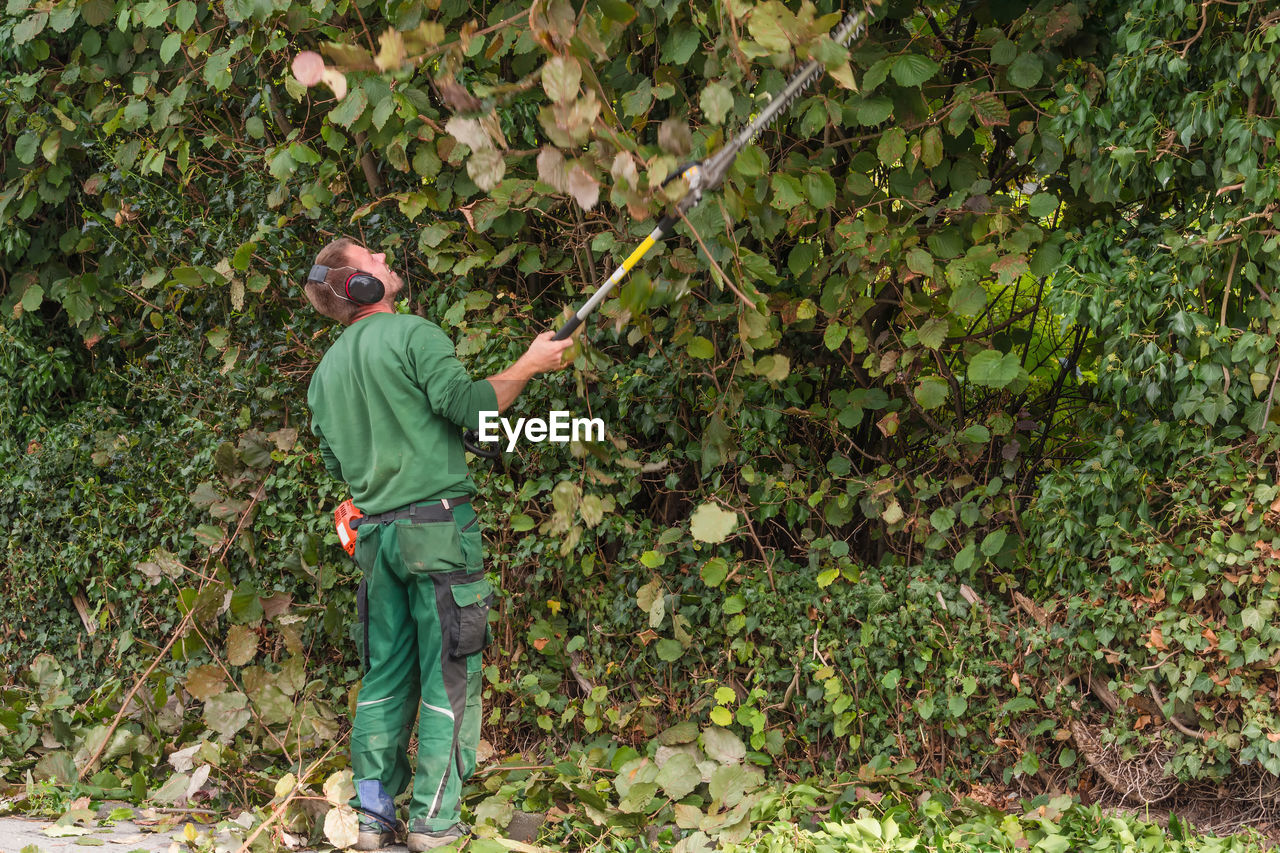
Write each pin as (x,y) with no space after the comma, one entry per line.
(471,630)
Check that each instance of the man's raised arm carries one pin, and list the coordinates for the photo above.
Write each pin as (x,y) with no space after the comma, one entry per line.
(543,355)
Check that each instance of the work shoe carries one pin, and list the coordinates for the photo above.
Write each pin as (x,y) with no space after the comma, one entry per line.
(375,836)
(421,839)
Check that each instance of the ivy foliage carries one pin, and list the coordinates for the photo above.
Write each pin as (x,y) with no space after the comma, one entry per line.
(843,402)
(1157,546)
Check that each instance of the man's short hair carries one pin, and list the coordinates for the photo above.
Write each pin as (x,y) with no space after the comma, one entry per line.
(323,296)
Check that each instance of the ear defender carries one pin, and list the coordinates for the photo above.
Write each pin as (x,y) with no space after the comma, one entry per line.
(360,287)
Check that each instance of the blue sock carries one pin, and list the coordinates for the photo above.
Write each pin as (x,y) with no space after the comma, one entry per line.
(375,803)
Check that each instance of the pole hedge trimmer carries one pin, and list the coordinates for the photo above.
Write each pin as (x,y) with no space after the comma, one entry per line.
(708,174)
(702,177)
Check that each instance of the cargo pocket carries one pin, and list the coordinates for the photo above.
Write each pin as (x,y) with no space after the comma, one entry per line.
(470,631)
(471,538)
(428,547)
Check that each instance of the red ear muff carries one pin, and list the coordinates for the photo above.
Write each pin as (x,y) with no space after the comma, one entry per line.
(364,289)
(360,287)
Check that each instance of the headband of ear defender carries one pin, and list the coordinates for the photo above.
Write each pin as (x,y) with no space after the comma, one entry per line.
(360,287)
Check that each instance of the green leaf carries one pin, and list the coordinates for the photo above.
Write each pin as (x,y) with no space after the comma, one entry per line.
(680,46)
(912,69)
(29,27)
(968,299)
(1042,205)
(932,333)
(27,146)
(775,368)
(932,392)
(679,776)
(425,162)
(946,244)
(1053,844)
(1003,52)
(722,745)
(217,70)
(1025,71)
(669,650)
(712,523)
(184,16)
(561,77)
(716,101)
(942,519)
(873,111)
(350,108)
(685,731)
(618,10)
(381,112)
(242,645)
(32,297)
(700,347)
(990,110)
(63,17)
(169,47)
(787,191)
(767,30)
(246,606)
(821,189)
(994,369)
(637,101)
(993,542)
(892,145)
(714,571)
(487,168)
(729,783)
(227,713)
(919,261)
(751,161)
(243,256)
(931,147)
(876,74)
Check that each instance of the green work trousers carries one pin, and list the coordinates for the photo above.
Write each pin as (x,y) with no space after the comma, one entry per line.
(427,607)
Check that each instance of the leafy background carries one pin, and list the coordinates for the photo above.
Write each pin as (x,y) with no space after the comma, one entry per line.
(940,439)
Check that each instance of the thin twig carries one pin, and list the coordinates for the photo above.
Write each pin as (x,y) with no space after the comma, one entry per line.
(295,794)
(441,48)
(1204,22)
(764,555)
(140,299)
(728,283)
(179,631)
(1173,721)
(124,706)
(1226,291)
(1272,393)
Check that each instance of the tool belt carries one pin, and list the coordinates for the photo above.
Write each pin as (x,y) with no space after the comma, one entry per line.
(423,511)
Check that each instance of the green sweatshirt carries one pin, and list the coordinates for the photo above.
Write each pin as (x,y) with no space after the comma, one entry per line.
(388,404)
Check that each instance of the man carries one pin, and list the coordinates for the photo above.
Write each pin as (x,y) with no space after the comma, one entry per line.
(389,401)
